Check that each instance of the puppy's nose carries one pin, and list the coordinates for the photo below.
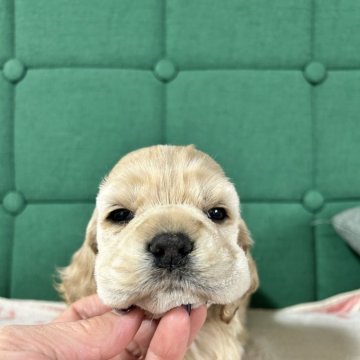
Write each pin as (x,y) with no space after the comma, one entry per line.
(170,250)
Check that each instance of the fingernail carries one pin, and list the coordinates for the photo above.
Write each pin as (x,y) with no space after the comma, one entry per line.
(187,308)
(123,311)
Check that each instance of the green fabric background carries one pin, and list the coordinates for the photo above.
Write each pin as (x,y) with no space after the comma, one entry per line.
(270,89)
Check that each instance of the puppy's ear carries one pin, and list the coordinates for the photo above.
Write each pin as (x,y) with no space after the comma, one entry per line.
(77,279)
(228,311)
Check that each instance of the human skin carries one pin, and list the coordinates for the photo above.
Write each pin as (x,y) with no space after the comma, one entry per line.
(90,330)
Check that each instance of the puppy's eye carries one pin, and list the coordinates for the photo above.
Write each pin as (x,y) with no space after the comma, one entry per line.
(217,214)
(120,216)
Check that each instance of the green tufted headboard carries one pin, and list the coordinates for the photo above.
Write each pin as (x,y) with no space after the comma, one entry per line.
(270,89)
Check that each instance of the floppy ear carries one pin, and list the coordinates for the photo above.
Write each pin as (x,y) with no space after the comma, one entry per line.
(228,311)
(77,279)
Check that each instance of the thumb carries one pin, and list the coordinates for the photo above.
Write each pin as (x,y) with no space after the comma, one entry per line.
(99,338)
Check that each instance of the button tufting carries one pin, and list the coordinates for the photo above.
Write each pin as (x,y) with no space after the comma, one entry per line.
(315,73)
(165,70)
(14,202)
(14,70)
(313,200)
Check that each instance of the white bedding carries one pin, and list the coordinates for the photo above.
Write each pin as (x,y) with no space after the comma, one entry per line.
(324,330)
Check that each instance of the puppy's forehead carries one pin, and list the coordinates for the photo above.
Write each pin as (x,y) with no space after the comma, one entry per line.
(167,175)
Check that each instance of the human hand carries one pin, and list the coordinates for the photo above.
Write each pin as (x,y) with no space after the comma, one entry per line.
(89,330)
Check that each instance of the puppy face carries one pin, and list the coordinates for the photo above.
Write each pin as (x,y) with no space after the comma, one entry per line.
(167,230)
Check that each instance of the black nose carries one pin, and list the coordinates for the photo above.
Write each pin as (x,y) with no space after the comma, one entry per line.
(170,250)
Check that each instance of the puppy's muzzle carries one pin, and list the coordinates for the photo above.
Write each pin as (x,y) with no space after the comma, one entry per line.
(170,251)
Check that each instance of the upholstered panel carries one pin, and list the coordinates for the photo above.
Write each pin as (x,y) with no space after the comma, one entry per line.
(89,33)
(6,236)
(287,269)
(6,160)
(6,30)
(269,89)
(337,130)
(238,33)
(70,109)
(34,243)
(264,117)
(335,32)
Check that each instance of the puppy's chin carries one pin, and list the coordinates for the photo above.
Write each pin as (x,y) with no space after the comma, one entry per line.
(155,305)
(157,302)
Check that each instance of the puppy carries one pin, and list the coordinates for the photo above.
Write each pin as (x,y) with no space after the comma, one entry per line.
(166,231)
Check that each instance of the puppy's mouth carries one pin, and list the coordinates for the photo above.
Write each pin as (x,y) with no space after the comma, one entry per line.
(159,294)
(187,307)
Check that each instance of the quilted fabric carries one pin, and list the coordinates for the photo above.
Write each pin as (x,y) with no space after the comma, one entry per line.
(269,89)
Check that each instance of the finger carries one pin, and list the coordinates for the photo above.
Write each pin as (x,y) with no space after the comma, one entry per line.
(101,337)
(197,320)
(85,308)
(139,345)
(171,338)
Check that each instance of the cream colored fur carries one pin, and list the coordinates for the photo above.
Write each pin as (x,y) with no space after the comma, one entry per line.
(170,189)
